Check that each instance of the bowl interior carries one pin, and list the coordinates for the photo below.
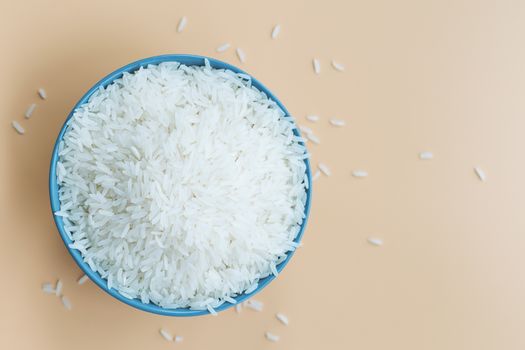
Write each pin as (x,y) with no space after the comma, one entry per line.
(55,203)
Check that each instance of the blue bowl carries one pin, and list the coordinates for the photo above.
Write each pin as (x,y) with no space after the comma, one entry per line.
(189,60)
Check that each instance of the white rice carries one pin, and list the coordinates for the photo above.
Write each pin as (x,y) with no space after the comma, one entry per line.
(30,110)
(211,310)
(48,288)
(337,122)
(82,279)
(166,334)
(359,173)
(182,24)
(317,66)
(223,47)
(313,138)
(241,55)
(480,173)
(324,169)
(214,200)
(42,93)
(58,288)
(282,318)
(19,129)
(179,339)
(312,118)
(426,155)
(305,129)
(276,30)
(66,302)
(316,175)
(271,337)
(254,305)
(238,308)
(338,66)
(375,241)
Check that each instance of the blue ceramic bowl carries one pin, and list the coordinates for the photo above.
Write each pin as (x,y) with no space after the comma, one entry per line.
(189,60)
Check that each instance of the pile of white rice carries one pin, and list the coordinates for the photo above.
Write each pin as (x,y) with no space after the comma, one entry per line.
(182,186)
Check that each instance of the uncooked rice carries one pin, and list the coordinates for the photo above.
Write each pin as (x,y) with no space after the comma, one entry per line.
(82,279)
(426,155)
(241,55)
(338,66)
(317,66)
(282,318)
(179,339)
(276,30)
(254,305)
(312,118)
(58,288)
(359,173)
(238,308)
(337,122)
(375,241)
(271,337)
(316,175)
(66,302)
(30,110)
(166,334)
(313,138)
(480,173)
(42,93)
(19,129)
(212,198)
(223,47)
(182,24)
(324,169)
(305,129)
(48,288)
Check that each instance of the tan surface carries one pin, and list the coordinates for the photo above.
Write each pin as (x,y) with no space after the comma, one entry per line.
(444,76)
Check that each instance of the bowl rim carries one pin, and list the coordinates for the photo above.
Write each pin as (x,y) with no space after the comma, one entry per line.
(189,60)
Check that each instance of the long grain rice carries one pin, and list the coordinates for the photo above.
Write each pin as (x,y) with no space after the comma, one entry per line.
(271,337)
(317,66)
(30,110)
(480,173)
(282,318)
(19,129)
(182,24)
(276,30)
(223,47)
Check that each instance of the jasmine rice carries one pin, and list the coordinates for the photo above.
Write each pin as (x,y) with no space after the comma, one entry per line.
(182,186)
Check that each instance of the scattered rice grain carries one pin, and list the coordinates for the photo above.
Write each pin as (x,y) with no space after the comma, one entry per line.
(337,122)
(313,138)
(19,129)
(316,175)
(30,110)
(324,169)
(312,118)
(48,288)
(66,302)
(241,55)
(223,47)
(359,173)
(481,174)
(83,279)
(338,66)
(182,24)
(426,155)
(272,337)
(166,335)
(375,241)
(42,93)
(276,30)
(58,288)
(179,339)
(282,318)
(317,66)
(255,305)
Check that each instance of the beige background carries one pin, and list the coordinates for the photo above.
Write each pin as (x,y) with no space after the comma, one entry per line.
(443,76)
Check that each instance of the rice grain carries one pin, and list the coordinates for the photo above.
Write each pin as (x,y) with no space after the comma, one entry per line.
(271,337)
(338,66)
(166,335)
(223,47)
(375,241)
(480,173)
(182,24)
(317,66)
(241,55)
(19,129)
(426,155)
(66,302)
(282,318)
(337,122)
(276,30)
(42,93)
(324,169)
(359,173)
(30,110)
